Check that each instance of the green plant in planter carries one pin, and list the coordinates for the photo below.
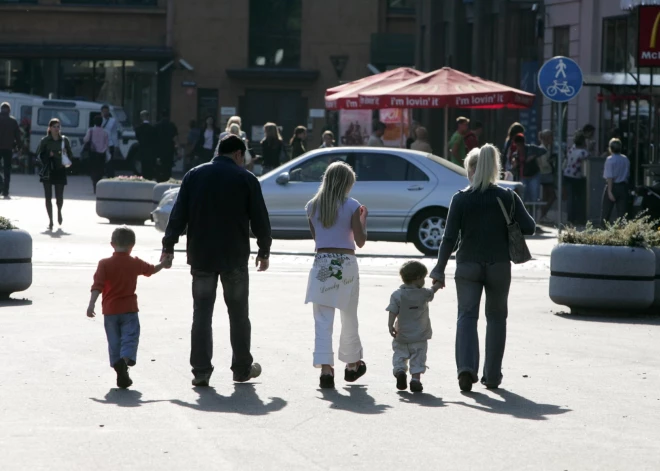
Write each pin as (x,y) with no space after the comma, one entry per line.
(640,232)
(132,178)
(6,225)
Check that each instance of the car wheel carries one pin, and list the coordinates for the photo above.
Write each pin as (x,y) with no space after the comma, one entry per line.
(427,230)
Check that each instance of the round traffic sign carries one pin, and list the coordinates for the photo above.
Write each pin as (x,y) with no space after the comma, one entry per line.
(560,79)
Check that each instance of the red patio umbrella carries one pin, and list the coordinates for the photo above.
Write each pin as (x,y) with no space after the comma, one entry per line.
(446,88)
(345,97)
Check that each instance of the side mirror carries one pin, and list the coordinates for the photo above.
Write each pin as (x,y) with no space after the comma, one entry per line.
(283,178)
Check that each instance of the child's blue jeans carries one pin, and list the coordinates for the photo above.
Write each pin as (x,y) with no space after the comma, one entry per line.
(123,332)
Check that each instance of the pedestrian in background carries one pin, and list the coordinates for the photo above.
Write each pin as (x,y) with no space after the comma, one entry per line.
(482,263)
(147,138)
(590,143)
(575,181)
(328,140)
(207,141)
(421,143)
(166,134)
(548,173)
(457,148)
(97,142)
(412,135)
(473,135)
(616,174)
(116,278)
(338,223)
(191,142)
(53,172)
(234,120)
(298,144)
(109,124)
(510,147)
(220,203)
(376,138)
(272,148)
(526,164)
(10,139)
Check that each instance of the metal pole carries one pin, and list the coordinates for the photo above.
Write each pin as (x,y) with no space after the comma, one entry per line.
(560,159)
(446,156)
(637,161)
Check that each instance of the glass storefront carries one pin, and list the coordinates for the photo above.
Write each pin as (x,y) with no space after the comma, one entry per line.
(128,83)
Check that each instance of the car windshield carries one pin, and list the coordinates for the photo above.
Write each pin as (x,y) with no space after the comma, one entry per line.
(447,164)
(120,115)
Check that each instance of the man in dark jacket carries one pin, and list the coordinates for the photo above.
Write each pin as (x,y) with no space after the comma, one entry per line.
(166,132)
(219,202)
(10,138)
(147,139)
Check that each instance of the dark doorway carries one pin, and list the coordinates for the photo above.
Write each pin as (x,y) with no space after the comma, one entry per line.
(286,108)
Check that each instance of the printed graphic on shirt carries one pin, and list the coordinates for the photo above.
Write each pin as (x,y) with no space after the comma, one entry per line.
(334,270)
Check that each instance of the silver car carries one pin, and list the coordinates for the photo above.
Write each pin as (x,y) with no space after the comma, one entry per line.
(407,193)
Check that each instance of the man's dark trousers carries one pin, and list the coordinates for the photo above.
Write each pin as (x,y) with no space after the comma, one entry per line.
(620,192)
(235,285)
(5,159)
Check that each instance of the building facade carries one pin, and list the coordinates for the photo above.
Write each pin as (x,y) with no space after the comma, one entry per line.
(266,60)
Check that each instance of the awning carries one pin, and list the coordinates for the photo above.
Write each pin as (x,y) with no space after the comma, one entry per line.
(65,51)
(630,4)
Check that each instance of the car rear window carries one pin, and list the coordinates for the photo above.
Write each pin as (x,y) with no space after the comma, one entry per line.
(447,164)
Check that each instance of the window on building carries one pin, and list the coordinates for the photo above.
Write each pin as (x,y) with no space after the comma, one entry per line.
(275,31)
(615,44)
(406,7)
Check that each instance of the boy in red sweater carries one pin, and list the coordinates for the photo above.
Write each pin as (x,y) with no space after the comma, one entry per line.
(116,278)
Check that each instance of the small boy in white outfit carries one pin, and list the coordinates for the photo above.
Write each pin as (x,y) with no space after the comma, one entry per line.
(409,307)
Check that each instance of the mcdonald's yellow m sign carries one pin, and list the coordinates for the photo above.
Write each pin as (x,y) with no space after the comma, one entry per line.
(654,32)
(648,44)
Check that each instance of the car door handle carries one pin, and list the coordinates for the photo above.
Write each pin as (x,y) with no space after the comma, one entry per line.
(415,188)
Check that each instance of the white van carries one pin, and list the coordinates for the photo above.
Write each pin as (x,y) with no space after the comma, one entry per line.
(76,117)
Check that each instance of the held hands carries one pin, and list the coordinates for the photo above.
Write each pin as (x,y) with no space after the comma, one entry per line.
(392,330)
(262,264)
(166,259)
(438,284)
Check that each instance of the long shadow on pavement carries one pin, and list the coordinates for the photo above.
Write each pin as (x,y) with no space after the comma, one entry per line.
(244,401)
(12,302)
(512,404)
(641,319)
(421,399)
(124,398)
(358,401)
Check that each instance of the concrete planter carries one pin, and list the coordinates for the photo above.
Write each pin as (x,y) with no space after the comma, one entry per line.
(602,277)
(15,262)
(159,191)
(124,200)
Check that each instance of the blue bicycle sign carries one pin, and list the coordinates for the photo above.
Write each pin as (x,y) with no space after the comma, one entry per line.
(560,79)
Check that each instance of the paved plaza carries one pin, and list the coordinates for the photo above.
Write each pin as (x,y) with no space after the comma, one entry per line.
(578,393)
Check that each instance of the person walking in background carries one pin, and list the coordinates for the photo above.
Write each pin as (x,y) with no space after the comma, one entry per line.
(298,145)
(220,203)
(328,140)
(109,123)
(376,138)
(116,278)
(509,147)
(10,139)
(575,181)
(473,135)
(590,143)
(548,176)
(421,144)
(234,120)
(147,138)
(166,134)
(191,142)
(482,263)
(272,148)
(207,141)
(338,223)
(412,135)
(53,171)
(457,148)
(525,162)
(98,143)
(616,174)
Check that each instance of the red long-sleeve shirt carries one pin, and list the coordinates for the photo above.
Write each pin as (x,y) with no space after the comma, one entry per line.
(116,278)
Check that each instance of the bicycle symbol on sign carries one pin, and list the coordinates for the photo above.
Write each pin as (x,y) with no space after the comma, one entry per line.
(560,87)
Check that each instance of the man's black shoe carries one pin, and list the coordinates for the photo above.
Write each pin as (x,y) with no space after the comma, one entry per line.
(123,379)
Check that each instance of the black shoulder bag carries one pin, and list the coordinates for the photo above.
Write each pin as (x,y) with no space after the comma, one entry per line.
(518,250)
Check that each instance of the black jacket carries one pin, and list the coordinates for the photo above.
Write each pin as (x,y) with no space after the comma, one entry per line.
(166,131)
(10,132)
(199,145)
(219,202)
(477,218)
(147,138)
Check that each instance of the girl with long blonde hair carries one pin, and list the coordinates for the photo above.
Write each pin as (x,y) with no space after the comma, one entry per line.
(338,223)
